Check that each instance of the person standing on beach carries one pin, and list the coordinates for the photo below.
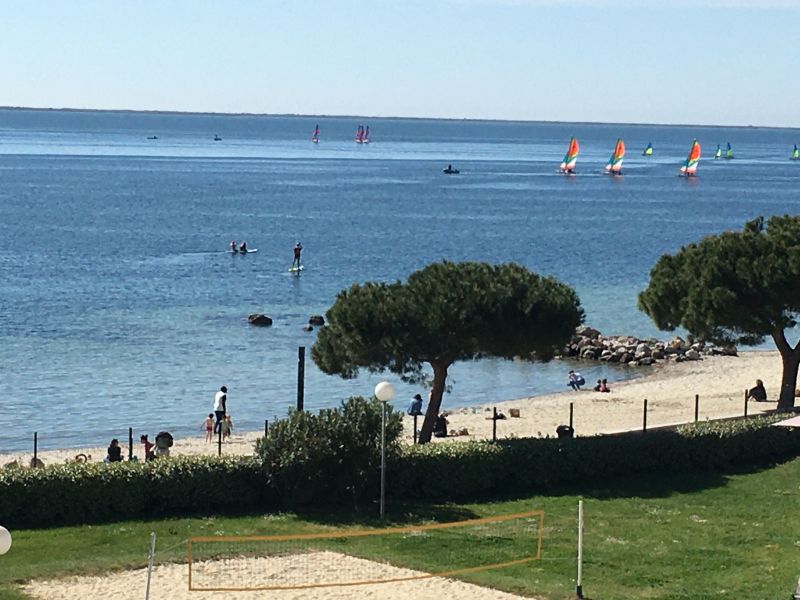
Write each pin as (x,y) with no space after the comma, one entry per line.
(220,401)
(208,425)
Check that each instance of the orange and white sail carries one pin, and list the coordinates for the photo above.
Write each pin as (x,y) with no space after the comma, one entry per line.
(615,162)
(689,166)
(571,157)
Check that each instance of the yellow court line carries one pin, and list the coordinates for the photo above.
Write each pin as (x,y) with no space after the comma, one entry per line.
(366,532)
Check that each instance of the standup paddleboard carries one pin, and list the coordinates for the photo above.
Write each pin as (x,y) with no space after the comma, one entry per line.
(296,269)
(248,251)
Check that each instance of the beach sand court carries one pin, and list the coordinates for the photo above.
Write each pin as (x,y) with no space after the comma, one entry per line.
(171,581)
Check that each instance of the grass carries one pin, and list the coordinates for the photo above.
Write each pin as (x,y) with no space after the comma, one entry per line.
(671,536)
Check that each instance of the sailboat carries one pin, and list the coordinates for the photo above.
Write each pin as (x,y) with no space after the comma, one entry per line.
(315,135)
(570,158)
(649,150)
(718,153)
(360,135)
(365,138)
(795,153)
(614,166)
(729,152)
(689,167)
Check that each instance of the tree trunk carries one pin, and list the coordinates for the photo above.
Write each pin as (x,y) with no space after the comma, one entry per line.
(791,361)
(437,391)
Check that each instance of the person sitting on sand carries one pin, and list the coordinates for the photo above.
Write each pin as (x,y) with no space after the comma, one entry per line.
(604,386)
(114,452)
(415,408)
(576,380)
(208,425)
(598,386)
(758,393)
(440,426)
(227,427)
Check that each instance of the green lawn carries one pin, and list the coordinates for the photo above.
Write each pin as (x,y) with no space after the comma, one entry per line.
(674,536)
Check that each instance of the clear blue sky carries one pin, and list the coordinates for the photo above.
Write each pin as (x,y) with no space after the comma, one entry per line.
(665,61)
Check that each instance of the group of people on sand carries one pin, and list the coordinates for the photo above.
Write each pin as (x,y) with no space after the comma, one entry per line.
(219,420)
(415,410)
(150,450)
(576,382)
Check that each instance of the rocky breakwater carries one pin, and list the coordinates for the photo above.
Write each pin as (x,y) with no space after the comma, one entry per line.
(590,344)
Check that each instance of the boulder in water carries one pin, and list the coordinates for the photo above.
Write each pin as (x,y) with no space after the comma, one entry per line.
(259,320)
(317,320)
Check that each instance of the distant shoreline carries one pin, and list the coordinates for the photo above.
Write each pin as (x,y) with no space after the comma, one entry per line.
(387,118)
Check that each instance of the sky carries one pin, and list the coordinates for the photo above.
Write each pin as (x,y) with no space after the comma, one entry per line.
(725,62)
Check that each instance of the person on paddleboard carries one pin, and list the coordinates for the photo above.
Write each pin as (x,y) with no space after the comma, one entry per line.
(233,247)
(243,248)
(298,248)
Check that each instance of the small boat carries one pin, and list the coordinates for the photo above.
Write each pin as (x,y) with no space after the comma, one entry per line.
(450,170)
(217,138)
(718,153)
(689,167)
(570,158)
(315,135)
(614,166)
(365,138)
(649,150)
(729,152)
(359,139)
(152,137)
(795,153)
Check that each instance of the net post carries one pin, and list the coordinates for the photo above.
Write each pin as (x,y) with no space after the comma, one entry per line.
(266,427)
(415,429)
(644,416)
(745,403)
(35,448)
(494,423)
(150,557)
(696,407)
(301,373)
(571,409)
(579,579)
(130,444)
(219,440)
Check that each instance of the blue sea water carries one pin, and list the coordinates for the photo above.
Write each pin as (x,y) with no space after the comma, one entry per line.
(120,307)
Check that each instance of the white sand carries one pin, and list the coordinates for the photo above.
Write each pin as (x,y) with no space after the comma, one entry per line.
(669,388)
(171,581)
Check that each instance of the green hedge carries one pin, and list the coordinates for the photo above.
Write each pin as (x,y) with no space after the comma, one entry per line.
(467,470)
(97,492)
(93,493)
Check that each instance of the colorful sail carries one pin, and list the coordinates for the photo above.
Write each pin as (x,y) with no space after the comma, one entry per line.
(365,138)
(729,152)
(571,157)
(795,153)
(315,135)
(649,150)
(615,162)
(718,153)
(689,167)
(360,134)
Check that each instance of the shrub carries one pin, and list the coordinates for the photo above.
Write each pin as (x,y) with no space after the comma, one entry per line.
(468,470)
(97,492)
(332,457)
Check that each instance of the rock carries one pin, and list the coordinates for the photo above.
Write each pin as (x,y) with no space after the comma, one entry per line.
(625,358)
(317,320)
(308,328)
(657,354)
(676,344)
(646,362)
(643,350)
(513,412)
(590,353)
(633,363)
(692,355)
(259,320)
(586,331)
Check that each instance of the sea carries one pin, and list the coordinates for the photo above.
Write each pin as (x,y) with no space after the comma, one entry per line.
(120,305)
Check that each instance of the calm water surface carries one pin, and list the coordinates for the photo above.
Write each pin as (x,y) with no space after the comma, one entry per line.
(120,307)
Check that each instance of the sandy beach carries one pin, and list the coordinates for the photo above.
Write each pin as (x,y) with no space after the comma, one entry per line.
(669,388)
(171,581)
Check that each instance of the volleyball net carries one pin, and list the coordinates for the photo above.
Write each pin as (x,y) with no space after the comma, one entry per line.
(365,556)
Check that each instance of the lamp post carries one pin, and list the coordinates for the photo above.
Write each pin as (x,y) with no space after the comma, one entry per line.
(384,392)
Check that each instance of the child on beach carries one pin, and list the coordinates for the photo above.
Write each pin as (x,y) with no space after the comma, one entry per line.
(208,425)
(227,426)
(147,446)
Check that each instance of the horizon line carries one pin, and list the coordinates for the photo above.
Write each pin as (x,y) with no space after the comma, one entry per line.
(391,117)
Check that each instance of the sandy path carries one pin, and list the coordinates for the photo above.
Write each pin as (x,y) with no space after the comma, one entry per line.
(171,581)
(669,388)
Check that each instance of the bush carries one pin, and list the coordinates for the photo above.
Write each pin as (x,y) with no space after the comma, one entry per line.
(468,470)
(332,457)
(97,492)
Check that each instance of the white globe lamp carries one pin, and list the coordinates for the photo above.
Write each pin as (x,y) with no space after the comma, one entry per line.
(384,392)
(5,540)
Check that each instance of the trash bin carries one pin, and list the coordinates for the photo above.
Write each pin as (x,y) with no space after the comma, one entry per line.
(565,431)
